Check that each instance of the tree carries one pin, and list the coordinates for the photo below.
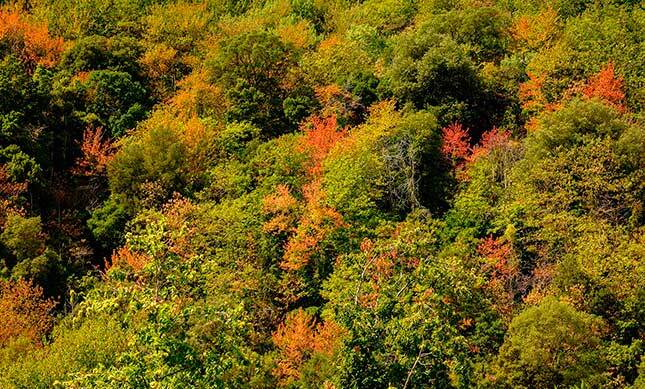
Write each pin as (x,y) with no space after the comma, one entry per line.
(31,42)
(23,236)
(24,312)
(301,342)
(253,67)
(550,344)
(96,153)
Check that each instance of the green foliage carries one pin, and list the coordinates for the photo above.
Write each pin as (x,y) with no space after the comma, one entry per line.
(152,167)
(96,52)
(76,350)
(20,166)
(390,164)
(114,100)
(107,223)
(23,236)
(253,67)
(551,344)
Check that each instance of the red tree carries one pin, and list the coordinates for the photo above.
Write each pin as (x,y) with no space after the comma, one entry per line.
(455,143)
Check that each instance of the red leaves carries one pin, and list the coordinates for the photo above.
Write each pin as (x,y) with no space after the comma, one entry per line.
(503,272)
(24,311)
(455,143)
(497,253)
(606,86)
(489,141)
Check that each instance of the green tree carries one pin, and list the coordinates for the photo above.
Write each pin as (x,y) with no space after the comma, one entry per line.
(548,345)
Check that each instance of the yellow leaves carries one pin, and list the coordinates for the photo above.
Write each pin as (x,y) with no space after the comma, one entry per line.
(159,60)
(197,96)
(30,41)
(300,34)
(535,31)
(183,24)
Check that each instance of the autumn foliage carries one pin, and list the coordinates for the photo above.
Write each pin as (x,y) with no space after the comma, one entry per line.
(125,257)
(24,312)
(489,141)
(606,86)
(534,31)
(321,135)
(502,271)
(96,153)
(9,192)
(299,338)
(31,41)
(317,223)
(455,143)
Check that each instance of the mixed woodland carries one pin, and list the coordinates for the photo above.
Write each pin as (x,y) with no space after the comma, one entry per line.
(322,194)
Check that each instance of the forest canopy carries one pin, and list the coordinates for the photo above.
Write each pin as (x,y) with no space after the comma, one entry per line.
(322,194)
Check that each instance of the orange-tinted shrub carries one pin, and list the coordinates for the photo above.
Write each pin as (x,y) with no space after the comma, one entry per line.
(96,153)
(31,42)
(606,86)
(298,338)
(24,311)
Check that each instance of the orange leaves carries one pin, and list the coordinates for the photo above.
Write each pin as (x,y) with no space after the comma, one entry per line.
(31,42)
(9,193)
(530,93)
(126,257)
(298,339)
(335,101)
(606,86)
(314,227)
(497,254)
(318,220)
(455,143)
(321,135)
(96,151)
(8,188)
(283,208)
(23,311)
(535,31)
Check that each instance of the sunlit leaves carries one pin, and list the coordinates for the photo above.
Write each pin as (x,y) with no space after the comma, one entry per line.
(24,312)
